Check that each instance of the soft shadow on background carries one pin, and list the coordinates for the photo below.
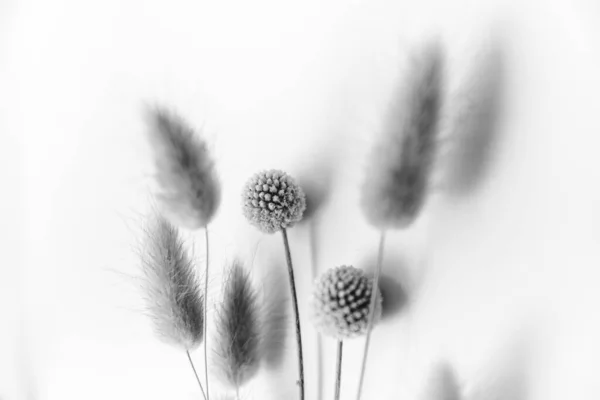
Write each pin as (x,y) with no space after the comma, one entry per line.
(442,384)
(316,179)
(277,323)
(475,117)
(75,73)
(25,366)
(395,284)
(507,375)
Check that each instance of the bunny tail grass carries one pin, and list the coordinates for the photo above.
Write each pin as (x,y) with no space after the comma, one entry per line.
(398,174)
(188,188)
(173,296)
(237,347)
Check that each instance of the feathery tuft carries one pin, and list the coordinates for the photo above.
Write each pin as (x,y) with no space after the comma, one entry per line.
(238,328)
(173,296)
(398,174)
(189,190)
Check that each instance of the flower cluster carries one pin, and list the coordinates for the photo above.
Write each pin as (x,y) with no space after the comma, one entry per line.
(272,201)
(341,302)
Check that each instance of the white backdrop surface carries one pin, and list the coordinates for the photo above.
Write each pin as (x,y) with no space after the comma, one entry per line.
(500,272)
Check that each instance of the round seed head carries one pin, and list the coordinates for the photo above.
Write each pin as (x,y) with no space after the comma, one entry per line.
(341,302)
(272,201)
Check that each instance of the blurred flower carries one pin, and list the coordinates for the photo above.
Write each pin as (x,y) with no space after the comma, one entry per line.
(273,201)
(189,190)
(340,303)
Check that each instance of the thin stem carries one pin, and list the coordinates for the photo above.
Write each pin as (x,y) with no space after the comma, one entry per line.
(195,373)
(374,295)
(237,392)
(319,367)
(288,256)
(315,270)
(338,370)
(206,313)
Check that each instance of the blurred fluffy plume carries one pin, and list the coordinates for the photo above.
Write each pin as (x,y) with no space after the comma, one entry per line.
(238,322)
(173,297)
(188,188)
(398,173)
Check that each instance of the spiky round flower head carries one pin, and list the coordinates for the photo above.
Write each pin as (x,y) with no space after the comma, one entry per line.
(341,302)
(272,201)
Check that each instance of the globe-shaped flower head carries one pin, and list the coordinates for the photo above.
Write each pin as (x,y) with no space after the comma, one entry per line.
(341,302)
(273,201)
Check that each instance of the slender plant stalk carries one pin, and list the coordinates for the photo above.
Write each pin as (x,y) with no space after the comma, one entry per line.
(320,367)
(206,313)
(374,294)
(288,256)
(315,269)
(338,370)
(195,373)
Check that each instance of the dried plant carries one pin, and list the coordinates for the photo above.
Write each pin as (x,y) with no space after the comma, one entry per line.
(398,174)
(188,188)
(340,308)
(346,303)
(340,302)
(273,201)
(238,324)
(173,296)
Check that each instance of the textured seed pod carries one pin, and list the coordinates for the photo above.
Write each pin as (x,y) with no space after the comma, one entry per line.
(189,191)
(272,201)
(341,302)
(398,173)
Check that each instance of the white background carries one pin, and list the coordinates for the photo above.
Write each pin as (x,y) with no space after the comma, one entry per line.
(500,271)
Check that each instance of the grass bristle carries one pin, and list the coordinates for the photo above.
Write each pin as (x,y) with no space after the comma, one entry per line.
(238,328)
(173,297)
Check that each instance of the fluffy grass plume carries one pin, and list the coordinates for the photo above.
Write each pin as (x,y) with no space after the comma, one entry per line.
(397,177)
(188,187)
(173,296)
(238,325)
